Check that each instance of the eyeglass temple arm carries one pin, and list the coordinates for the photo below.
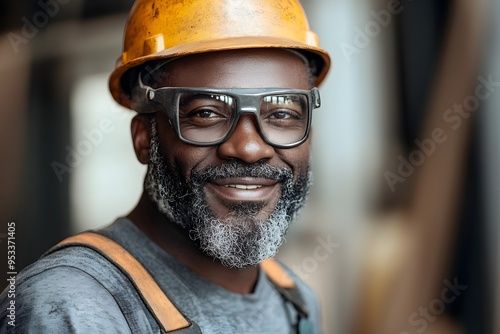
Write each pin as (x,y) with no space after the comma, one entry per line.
(143,98)
(316,98)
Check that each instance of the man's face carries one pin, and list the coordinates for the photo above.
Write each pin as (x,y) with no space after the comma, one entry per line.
(235,199)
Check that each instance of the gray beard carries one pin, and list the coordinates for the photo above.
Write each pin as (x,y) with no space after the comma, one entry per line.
(239,239)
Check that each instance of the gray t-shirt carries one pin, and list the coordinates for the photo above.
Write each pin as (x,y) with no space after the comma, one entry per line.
(76,290)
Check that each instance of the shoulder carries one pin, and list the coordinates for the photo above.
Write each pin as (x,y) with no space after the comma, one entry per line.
(71,291)
(309,297)
(306,291)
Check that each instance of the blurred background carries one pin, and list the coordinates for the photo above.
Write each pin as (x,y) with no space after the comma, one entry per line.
(401,232)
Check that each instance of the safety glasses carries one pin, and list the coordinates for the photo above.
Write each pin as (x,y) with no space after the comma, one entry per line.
(208,116)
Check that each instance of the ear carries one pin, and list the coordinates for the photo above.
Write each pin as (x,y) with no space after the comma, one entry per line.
(140,128)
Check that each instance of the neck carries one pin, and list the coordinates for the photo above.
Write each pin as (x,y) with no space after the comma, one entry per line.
(175,240)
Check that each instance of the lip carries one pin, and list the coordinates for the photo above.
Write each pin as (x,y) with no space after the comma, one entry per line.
(246,189)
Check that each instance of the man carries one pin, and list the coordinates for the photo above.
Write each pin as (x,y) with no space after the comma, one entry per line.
(224,95)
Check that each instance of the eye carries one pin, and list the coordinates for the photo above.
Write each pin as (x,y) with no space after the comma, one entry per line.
(204,106)
(284,114)
(284,119)
(204,112)
(204,116)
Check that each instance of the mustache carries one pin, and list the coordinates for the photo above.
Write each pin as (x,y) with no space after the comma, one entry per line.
(238,169)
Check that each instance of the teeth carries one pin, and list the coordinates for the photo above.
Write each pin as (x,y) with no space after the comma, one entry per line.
(243,186)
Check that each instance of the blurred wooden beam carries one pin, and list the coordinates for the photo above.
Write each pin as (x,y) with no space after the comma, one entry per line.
(418,242)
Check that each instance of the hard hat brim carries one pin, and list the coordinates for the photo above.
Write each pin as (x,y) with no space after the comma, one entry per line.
(320,56)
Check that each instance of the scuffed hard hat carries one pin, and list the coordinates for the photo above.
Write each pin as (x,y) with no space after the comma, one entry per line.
(158,30)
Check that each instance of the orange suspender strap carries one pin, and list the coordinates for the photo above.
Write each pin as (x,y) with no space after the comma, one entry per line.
(166,314)
(169,318)
(285,286)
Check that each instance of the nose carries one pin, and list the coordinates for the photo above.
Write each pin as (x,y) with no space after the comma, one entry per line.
(245,143)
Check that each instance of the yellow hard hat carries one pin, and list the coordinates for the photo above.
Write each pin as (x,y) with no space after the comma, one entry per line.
(171,28)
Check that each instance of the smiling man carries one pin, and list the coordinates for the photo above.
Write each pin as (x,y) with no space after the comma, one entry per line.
(225,93)
(221,173)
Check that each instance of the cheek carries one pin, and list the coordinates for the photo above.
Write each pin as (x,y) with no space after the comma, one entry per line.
(179,155)
(297,158)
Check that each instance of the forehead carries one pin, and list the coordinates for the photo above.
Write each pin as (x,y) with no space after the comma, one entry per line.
(251,68)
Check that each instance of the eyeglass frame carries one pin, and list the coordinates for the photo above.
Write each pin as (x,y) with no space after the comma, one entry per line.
(148,100)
